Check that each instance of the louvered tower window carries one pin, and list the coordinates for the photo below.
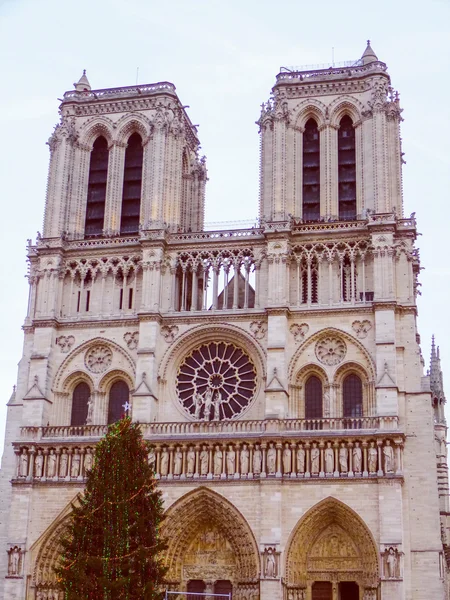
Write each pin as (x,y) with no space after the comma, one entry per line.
(98,174)
(311,172)
(352,394)
(80,398)
(347,169)
(119,394)
(132,184)
(313,398)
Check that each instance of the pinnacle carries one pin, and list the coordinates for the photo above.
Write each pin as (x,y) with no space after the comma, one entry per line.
(83,84)
(369,55)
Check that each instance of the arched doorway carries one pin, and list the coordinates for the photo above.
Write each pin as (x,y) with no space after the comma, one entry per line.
(210,542)
(331,555)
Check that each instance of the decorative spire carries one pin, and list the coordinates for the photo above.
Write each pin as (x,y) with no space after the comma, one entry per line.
(83,84)
(369,55)
(436,377)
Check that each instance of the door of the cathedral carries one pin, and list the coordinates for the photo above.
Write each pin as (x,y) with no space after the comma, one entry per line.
(322,590)
(348,590)
(196,585)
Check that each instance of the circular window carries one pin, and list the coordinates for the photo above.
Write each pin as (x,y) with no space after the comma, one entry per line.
(216,381)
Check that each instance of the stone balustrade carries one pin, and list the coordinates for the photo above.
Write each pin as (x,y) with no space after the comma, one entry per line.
(251,428)
(315,456)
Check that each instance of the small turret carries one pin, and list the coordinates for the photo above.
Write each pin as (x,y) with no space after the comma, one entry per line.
(437,383)
(83,84)
(369,55)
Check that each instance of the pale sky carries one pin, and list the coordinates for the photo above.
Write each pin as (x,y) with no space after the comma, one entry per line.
(223,58)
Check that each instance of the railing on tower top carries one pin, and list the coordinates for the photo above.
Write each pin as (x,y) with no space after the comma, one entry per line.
(251,428)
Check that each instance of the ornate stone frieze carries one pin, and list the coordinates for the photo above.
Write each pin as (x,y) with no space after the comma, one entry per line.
(331,350)
(99,358)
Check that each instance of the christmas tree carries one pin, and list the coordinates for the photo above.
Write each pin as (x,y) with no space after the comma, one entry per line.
(112,546)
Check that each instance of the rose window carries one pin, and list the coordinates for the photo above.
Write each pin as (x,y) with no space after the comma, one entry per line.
(98,358)
(216,381)
(331,350)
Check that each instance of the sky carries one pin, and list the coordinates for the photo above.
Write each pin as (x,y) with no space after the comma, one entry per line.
(223,58)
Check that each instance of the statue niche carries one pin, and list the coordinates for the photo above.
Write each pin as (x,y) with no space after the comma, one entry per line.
(334,550)
(209,556)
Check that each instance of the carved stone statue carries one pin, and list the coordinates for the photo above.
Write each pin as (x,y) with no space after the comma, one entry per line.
(245,457)
(204,461)
(257,460)
(14,561)
(178,461)
(217,403)
(88,459)
(23,463)
(357,458)
(198,403)
(63,462)
(388,452)
(39,464)
(208,404)
(90,413)
(271,565)
(287,454)
(373,458)
(300,459)
(315,459)
(329,458)
(190,461)
(75,468)
(51,464)
(391,562)
(271,459)
(231,460)
(165,462)
(151,459)
(343,458)
(218,457)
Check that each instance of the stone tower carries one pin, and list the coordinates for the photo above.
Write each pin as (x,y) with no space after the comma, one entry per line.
(276,370)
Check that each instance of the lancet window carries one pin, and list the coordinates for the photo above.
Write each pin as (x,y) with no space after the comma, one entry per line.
(96,198)
(311,172)
(119,395)
(132,186)
(313,398)
(80,399)
(352,393)
(347,169)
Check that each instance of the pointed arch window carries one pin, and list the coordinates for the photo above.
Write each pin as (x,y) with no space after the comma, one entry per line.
(313,398)
(311,172)
(96,198)
(347,169)
(119,394)
(132,186)
(352,395)
(80,399)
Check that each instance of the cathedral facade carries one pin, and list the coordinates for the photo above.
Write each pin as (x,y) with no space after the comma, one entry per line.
(276,370)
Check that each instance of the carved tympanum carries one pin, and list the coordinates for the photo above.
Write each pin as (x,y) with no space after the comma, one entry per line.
(98,358)
(331,350)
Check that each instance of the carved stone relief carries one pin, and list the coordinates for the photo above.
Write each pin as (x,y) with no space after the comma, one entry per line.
(331,350)
(15,560)
(258,329)
(98,358)
(361,328)
(209,556)
(65,342)
(169,332)
(299,331)
(391,563)
(131,339)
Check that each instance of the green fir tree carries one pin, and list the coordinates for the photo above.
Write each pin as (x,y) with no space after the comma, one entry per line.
(112,546)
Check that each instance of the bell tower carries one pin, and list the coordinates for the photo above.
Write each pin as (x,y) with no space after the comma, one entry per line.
(330,143)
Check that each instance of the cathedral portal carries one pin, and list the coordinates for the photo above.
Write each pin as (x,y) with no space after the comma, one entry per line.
(331,555)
